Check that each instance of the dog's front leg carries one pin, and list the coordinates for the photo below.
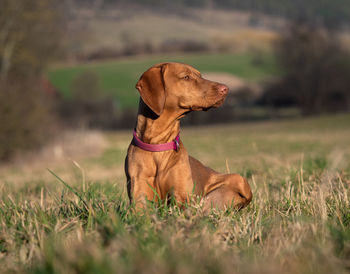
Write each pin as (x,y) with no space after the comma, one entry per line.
(141,191)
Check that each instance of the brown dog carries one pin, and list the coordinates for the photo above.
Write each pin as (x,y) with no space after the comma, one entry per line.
(168,92)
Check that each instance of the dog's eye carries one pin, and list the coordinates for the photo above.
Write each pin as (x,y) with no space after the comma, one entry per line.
(186,77)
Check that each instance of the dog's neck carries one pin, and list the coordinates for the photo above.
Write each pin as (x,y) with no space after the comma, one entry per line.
(153,129)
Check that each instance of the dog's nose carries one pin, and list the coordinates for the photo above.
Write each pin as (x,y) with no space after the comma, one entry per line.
(223,90)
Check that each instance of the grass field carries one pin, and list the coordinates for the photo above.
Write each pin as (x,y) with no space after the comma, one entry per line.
(118,78)
(298,221)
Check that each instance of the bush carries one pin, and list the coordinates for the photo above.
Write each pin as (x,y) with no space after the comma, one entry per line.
(26,120)
(88,107)
(317,71)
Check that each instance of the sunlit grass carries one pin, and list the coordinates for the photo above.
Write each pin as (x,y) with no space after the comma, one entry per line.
(298,221)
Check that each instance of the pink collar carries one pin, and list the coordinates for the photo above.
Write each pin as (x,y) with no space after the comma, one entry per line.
(174,145)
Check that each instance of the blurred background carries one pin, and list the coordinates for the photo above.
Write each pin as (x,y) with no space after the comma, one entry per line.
(72,65)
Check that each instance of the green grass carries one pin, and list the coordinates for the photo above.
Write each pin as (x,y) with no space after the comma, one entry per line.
(118,78)
(298,221)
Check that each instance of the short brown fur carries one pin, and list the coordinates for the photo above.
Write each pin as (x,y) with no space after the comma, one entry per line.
(168,92)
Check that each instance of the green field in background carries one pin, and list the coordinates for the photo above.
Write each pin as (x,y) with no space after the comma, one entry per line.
(119,77)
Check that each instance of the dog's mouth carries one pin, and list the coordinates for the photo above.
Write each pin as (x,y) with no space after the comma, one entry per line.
(207,102)
(219,102)
(216,104)
(198,108)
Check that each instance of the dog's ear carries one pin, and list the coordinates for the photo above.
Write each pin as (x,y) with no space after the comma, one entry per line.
(152,90)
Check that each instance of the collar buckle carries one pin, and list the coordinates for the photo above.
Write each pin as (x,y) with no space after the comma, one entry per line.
(177,145)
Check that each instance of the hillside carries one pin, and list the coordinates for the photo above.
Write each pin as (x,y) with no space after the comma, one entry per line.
(94,34)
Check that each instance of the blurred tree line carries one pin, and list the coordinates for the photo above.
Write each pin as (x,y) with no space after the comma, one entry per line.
(328,13)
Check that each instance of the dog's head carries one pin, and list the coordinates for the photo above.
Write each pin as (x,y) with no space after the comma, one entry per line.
(179,87)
